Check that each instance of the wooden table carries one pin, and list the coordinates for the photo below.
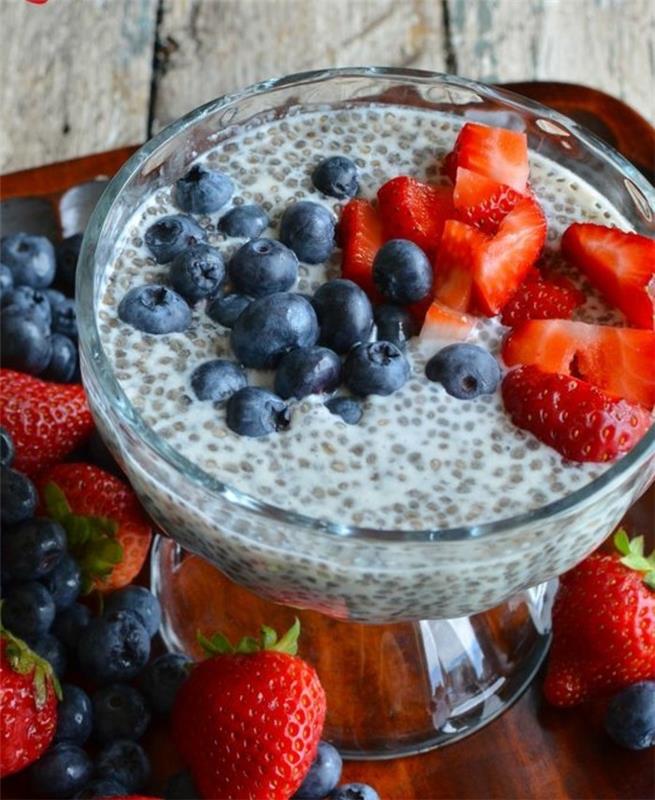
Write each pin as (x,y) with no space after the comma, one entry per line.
(533,751)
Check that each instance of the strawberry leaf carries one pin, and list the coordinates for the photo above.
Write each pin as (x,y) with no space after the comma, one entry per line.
(633,557)
(268,637)
(622,541)
(23,661)
(217,645)
(248,645)
(289,642)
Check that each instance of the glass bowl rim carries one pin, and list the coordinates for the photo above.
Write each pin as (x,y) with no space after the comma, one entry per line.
(98,369)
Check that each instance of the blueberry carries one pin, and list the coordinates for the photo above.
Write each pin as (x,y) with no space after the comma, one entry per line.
(344,315)
(202,191)
(61,771)
(197,272)
(74,715)
(376,368)
(170,236)
(337,177)
(308,229)
(349,409)
(7,453)
(630,717)
(31,259)
(141,602)
(18,498)
(180,786)
(69,623)
(270,326)
(63,362)
(124,761)
(55,297)
(307,370)
(25,345)
(64,582)
(114,647)
(246,222)
(52,650)
(28,610)
(402,272)
(64,319)
(162,678)
(464,370)
(354,791)
(32,548)
(100,788)
(394,324)
(324,773)
(68,253)
(155,309)
(30,303)
(263,266)
(6,280)
(226,309)
(217,380)
(256,412)
(119,712)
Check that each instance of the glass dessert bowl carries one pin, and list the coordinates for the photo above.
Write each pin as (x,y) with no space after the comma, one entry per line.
(419,651)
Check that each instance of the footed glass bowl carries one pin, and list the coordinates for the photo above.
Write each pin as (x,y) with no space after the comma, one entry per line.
(348,573)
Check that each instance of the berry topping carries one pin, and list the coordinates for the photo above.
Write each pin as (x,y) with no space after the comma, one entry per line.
(263,266)
(336,177)
(34,304)
(217,380)
(497,153)
(17,498)
(344,315)
(395,325)
(113,647)
(455,263)
(630,718)
(482,202)
(63,364)
(26,344)
(244,222)
(202,191)
(74,720)
(256,412)
(28,610)
(161,680)
(443,325)
(170,236)
(354,791)
(324,773)
(119,712)
(64,318)
(307,370)
(541,298)
(30,259)
(349,409)
(64,582)
(227,308)
(464,370)
(154,308)
(308,229)
(360,237)
(141,602)
(402,272)
(197,272)
(34,547)
(61,771)
(375,368)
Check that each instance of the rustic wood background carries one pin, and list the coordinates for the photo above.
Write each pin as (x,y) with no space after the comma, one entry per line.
(82,76)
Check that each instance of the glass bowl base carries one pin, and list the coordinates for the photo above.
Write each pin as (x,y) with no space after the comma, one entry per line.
(392,690)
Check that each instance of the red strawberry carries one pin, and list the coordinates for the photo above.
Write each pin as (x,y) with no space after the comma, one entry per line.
(454,264)
(506,259)
(621,265)
(360,236)
(260,701)
(620,361)
(496,153)
(481,201)
(575,418)
(445,325)
(603,625)
(542,298)
(416,211)
(107,530)
(47,421)
(28,705)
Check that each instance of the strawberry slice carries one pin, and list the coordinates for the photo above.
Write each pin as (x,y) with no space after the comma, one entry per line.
(413,210)
(505,260)
(542,298)
(443,325)
(618,360)
(454,264)
(577,419)
(621,265)
(482,202)
(496,153)
(360,236)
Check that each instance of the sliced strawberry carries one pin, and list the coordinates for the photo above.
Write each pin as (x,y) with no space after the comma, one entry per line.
(449,165)
(416,211)
(481,201)
(454,264)
(496,153)
(443,325)
(618,360)
(542,298)
(621,265)
(360,236)
(577,419)
(506,259)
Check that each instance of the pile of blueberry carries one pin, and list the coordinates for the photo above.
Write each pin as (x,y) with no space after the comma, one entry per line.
(38,325)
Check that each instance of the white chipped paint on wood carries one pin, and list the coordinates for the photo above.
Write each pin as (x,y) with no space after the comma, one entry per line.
(74,77)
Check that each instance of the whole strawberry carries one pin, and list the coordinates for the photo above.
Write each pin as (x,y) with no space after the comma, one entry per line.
(28,704)
(46,421)
(248,720)
(107,530)
(603,625)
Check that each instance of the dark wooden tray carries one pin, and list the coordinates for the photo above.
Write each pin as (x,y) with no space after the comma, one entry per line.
(532,751)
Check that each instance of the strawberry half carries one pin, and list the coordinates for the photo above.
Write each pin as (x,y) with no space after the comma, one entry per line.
(443,325)
(454,264)
(575,418)
(542,298)
(482,202)
(410,209)
(360,237)
(620,361)
(107,531)
(497,153)
(47,421)
(621,265)
(603,625)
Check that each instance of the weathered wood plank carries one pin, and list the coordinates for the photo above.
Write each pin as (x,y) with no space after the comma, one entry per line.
(75,77)
(209,47)
(606,44)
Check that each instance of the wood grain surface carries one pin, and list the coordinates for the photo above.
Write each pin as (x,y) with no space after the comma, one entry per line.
(79,76)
